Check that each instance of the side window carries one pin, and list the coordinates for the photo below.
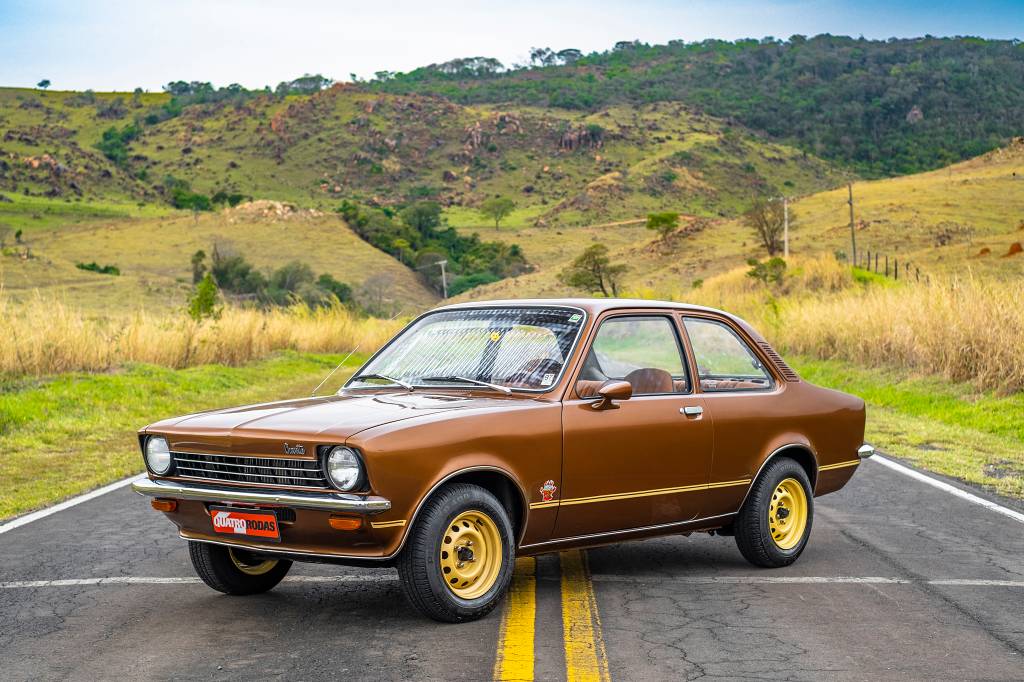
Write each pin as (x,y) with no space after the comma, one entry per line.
(643,350)
(724,362)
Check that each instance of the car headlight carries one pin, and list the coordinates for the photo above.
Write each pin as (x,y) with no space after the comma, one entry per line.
(344,468)
(158,455)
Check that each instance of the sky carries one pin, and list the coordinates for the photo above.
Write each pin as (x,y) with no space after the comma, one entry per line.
(124,44)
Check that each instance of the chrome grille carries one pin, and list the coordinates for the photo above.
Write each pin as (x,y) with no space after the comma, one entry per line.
(260,470)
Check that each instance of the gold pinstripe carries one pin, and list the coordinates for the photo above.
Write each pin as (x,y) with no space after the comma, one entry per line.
(839,465)
(639,493)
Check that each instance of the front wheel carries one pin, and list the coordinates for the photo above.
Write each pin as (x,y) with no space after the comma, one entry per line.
(236,571)
(773,526)
(458,560)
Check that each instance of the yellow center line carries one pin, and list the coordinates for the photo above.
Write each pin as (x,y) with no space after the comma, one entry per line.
(515,641)
(585,658)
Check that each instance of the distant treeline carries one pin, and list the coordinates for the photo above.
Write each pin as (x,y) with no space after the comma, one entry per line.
(883,107)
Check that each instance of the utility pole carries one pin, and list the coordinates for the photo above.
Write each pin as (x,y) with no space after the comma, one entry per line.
(444,279)
(853,236)
(785,229)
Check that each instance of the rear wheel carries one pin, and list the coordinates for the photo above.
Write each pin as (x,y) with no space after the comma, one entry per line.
(774,524)
(458,560)
(236,571)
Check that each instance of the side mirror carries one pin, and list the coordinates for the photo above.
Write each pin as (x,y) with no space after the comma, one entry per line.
(613,390)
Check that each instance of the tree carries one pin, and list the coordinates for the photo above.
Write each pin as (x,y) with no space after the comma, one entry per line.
(769,272)
(663,223)
(340,290)
(198,266)
(569,55)
(593,271)
(767,219)
(423,216)
(497,209)
(375,295)
(43,84)
(203,303)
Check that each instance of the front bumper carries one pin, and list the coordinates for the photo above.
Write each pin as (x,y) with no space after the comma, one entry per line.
(865,451)
(334,502)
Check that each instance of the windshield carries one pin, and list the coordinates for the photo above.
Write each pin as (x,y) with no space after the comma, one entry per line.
(522,348)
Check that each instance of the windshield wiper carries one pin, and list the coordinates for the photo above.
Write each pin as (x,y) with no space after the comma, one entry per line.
(399,382)
(466,380)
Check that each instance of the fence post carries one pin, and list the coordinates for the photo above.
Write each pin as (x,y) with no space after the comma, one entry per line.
(917,273)
(876,262)
(896,269)
(886,265)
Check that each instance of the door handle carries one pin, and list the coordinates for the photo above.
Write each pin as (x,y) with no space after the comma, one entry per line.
(692,410)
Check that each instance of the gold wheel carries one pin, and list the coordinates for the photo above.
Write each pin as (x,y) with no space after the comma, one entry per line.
(787,513)
(249,564)
(471,554)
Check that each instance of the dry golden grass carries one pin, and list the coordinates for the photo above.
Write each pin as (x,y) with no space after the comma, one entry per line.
(44,336)
(966,330)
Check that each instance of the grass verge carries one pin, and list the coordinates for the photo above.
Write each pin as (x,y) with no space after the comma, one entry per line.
(949,428)
(75,432)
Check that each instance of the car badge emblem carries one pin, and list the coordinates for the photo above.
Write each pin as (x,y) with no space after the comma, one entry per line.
(548,490)
(294,449)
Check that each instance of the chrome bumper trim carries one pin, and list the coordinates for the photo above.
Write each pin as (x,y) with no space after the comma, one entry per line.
(341,502)
(865,451)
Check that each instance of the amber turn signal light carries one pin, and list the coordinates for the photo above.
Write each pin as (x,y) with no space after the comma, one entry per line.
(346,522)
(164,505)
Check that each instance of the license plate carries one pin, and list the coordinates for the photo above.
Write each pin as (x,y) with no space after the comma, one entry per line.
(260,524)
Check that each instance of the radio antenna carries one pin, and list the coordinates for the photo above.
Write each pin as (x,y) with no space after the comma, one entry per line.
(350,354)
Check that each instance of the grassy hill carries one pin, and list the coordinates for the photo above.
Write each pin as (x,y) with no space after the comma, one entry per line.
(94,177)
(963,220)
(343,143)
(152,254)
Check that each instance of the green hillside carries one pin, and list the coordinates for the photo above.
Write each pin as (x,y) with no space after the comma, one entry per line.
(965,220)
(882,107)
(385,150)
(153,257)
(91,177)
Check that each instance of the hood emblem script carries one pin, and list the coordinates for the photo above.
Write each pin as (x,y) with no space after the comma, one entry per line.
(294,449)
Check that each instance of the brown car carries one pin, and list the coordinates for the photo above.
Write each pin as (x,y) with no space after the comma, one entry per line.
(487,431)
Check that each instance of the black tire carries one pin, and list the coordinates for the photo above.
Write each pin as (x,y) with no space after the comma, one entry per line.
(419,564)
(753,532)
(217,567)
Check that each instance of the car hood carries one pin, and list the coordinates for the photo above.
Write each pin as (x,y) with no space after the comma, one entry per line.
(260,429)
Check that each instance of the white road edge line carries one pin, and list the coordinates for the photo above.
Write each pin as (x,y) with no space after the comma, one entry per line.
(599,577)
(67,504)
(946,487)
(132,580)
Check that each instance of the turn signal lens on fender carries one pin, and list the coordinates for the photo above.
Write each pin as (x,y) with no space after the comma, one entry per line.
(346,522)
(165,505)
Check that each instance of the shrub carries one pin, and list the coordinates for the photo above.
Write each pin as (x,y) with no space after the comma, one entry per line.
(102,269)
(203,303)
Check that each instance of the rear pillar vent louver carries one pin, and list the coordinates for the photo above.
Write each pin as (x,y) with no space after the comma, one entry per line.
(787,372)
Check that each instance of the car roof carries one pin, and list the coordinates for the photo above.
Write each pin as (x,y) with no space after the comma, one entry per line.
(595,306)
(591,305)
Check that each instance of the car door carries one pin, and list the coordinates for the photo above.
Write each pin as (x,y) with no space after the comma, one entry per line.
(745,401)
(639,462)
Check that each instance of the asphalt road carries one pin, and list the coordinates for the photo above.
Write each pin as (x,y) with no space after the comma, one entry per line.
(899,581)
